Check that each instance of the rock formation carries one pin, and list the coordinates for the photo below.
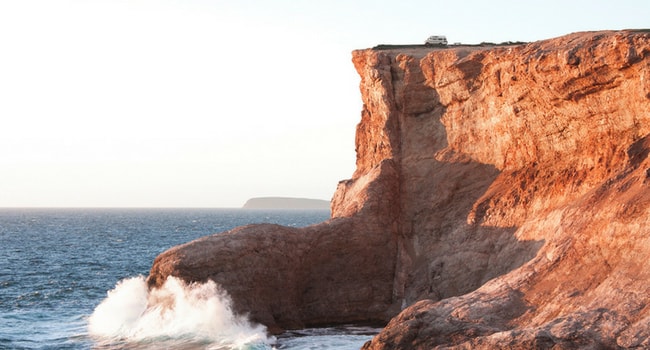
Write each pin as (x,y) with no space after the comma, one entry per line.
(340,271)
(501,200)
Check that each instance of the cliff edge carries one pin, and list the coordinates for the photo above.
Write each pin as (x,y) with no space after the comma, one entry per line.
(500,201)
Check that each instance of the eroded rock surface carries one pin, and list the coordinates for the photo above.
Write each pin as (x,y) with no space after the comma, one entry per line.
(500,199)
(340,271)
(547,145)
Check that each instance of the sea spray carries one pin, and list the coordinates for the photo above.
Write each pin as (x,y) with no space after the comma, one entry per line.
(199,313)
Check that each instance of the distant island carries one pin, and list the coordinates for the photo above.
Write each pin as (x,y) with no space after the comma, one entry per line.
(285,203)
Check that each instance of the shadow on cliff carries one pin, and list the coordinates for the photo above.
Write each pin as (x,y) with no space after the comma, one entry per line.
(451,250)
(450,241)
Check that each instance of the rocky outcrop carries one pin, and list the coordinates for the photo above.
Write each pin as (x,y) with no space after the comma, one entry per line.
(340,271)
(500,199)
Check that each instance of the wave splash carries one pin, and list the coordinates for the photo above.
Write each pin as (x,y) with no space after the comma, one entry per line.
(199,313)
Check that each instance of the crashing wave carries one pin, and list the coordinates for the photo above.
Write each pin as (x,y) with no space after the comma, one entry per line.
(197,313)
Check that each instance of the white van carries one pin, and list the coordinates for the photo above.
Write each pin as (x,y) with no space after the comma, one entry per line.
(436,40)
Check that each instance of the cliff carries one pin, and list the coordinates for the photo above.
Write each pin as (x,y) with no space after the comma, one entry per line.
(500,201)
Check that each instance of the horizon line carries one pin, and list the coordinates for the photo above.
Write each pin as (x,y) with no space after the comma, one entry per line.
(145,207)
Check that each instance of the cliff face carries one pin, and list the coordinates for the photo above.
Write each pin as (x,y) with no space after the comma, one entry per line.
(522,171)
(500,199)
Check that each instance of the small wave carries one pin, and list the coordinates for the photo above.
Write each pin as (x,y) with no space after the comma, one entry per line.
(175,313)
(346,337)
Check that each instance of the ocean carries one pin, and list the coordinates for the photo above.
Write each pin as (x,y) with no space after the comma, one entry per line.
(74,279)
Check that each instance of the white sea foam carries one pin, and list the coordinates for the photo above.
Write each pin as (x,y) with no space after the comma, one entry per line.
(196,313)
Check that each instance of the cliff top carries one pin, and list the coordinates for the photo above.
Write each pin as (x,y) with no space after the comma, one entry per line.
(421,50)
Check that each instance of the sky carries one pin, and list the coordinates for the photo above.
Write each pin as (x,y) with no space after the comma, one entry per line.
(207,103)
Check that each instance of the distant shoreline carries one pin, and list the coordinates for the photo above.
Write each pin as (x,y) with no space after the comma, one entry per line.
(285,203)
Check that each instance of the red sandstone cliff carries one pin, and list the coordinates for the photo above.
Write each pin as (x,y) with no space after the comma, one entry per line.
(501,197)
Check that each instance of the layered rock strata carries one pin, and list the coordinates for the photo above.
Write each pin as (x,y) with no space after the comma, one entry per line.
(500,199)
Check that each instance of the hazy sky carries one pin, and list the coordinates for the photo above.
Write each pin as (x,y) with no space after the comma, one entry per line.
(206,103)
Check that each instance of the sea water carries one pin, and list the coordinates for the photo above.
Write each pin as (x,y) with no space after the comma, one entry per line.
(75,279)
